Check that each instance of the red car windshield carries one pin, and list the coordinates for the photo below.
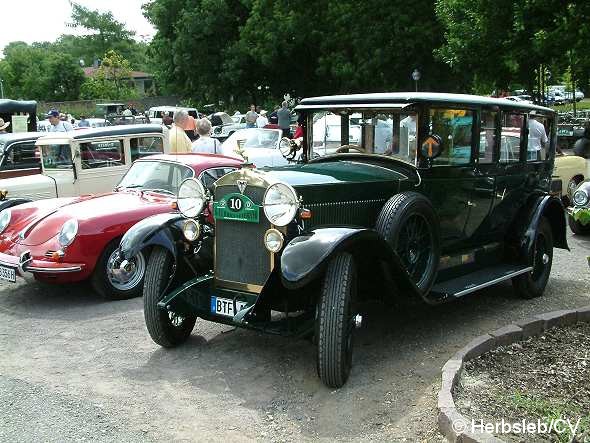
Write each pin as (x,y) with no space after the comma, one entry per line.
(157,176)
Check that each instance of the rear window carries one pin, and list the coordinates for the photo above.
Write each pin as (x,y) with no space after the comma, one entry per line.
(102,154)
(21,156)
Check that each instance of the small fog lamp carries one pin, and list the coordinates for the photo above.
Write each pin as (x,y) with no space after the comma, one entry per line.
(191,230)
(273,240)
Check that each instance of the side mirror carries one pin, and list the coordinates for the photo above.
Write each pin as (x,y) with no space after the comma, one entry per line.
(431,147)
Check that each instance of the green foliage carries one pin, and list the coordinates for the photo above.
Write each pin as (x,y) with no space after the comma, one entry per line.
(582,215)
(111,80)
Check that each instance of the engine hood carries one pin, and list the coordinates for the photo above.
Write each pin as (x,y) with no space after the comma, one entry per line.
(41,221)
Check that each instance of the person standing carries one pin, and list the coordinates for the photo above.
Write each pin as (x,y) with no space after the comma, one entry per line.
(205,144)
(190,128)
(3,126)
(537,137)
(83,123)
(261,121)
(57,125)
(179,141)
(284,115)
(251,117)
(582,145)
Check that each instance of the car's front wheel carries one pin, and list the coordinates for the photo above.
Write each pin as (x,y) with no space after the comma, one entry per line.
(167,329)
(532,284)
(116,283)
(335,321)
(577,227)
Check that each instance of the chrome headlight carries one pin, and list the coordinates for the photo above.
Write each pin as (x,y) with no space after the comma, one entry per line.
(191,198)
(273,240)
(68,232)
(191,230)
(580,197)
(5,217)
(280,204)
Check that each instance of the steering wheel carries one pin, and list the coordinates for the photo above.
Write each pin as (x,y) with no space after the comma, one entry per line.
(345,148)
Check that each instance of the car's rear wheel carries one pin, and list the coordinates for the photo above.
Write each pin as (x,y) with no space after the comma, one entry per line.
(114,283)
(167,329)
(335,321)
(577,227)
(408,223)
(532,284)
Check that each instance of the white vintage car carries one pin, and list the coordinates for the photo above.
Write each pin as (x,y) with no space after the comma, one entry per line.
(84,162)
(260,146)
(571,170)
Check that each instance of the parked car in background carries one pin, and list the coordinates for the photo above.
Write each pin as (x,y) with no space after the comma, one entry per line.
(10,108)
(579,212)
(570,170)
(299,248)
(222,125)
(72,239)
(156,113)
(259,146)
(84,161)
(18,155)
(107,109)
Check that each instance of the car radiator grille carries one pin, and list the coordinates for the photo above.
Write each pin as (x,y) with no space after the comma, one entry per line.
(240,255)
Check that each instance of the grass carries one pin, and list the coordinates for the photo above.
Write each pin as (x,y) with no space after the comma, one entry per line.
(581,105)
(547,410)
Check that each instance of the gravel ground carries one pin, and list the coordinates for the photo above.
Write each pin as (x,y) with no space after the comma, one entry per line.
(75,367)
(545,377)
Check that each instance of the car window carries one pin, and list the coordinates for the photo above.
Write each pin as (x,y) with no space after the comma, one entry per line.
(22,156)
(142,146)
(454,127)
(512,124)
(487,136)
(57,156)
(102,154)
(156,175)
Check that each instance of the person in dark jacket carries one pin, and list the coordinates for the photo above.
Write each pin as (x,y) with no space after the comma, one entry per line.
(582,145)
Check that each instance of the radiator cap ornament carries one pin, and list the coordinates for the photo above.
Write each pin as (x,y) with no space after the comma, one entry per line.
(242,185)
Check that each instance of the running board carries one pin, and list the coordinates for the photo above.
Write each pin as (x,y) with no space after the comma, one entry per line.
(466,284)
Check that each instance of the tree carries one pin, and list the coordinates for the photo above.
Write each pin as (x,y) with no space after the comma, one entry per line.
(111,80)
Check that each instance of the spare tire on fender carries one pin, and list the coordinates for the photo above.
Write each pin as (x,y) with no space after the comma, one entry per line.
(409,224)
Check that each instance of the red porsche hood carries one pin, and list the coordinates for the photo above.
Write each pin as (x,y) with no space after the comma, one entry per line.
(95,214)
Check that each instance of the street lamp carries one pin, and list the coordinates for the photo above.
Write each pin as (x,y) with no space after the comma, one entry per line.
(416,76)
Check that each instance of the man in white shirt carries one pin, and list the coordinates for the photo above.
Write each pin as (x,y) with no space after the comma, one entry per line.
(537,137)
(57,125)
(261,121)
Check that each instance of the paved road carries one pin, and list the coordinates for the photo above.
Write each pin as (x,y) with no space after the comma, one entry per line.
(74,367)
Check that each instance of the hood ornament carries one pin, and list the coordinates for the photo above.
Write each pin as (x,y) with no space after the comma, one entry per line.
(242,185)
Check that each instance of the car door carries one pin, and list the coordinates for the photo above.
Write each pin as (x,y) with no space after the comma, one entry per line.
(100,164)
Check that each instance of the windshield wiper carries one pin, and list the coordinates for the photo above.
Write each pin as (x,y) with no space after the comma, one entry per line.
(127,187)
(163,191)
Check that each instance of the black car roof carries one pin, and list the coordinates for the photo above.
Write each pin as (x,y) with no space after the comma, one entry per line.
(416,97)
(114,130)
(14,106)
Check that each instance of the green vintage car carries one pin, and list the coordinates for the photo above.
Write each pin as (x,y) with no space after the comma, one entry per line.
(439,196)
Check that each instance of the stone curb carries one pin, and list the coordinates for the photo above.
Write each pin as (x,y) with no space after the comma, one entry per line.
(454,426)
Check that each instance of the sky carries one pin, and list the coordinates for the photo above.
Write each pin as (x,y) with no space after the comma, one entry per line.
(34,20)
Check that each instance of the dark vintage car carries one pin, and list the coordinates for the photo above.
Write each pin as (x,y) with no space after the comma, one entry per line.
(456,198)
(579,212)
(18,154)
(18,109)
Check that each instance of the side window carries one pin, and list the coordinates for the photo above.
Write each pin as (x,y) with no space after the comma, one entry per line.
(22,156)
(512,124)
(142,146)
(538,140)
(102,154)
(487,136)
(454,127)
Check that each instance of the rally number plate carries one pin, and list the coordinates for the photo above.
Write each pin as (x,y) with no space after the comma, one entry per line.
(8,274)
(225,306)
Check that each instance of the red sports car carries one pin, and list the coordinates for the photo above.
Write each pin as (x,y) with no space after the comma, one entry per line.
(66,240)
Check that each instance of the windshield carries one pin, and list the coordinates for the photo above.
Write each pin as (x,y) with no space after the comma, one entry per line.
(57,156)
(156,175)
(386,132)
(252,138)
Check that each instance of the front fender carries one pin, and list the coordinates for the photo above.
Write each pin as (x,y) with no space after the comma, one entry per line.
(152,231)
(306,257)
(9,203)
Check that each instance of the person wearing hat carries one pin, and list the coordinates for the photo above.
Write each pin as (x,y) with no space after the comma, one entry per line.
(3,126)
(537,137)
(58,125)
(261,121)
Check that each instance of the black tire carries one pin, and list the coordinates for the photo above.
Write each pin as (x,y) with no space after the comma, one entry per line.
(532,284)
(577,227)
(409,224)
(334,322)
(160,323)
(103,285)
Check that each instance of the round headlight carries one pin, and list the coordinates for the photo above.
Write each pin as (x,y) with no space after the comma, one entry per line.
(273,240)
(280,204)
(68,232)
(191,198)
(5,219)
(580,197)
(191,230)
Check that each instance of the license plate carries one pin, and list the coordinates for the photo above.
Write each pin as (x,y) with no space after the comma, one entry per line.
(225,306)
(8,274)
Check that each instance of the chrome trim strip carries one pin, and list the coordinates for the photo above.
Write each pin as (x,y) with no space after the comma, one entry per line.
(492,282)
(54,270)
(352,202)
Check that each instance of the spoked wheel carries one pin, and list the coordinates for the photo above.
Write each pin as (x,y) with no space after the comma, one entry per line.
(532,284)
(414,247)
(168,329)
(335,322)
